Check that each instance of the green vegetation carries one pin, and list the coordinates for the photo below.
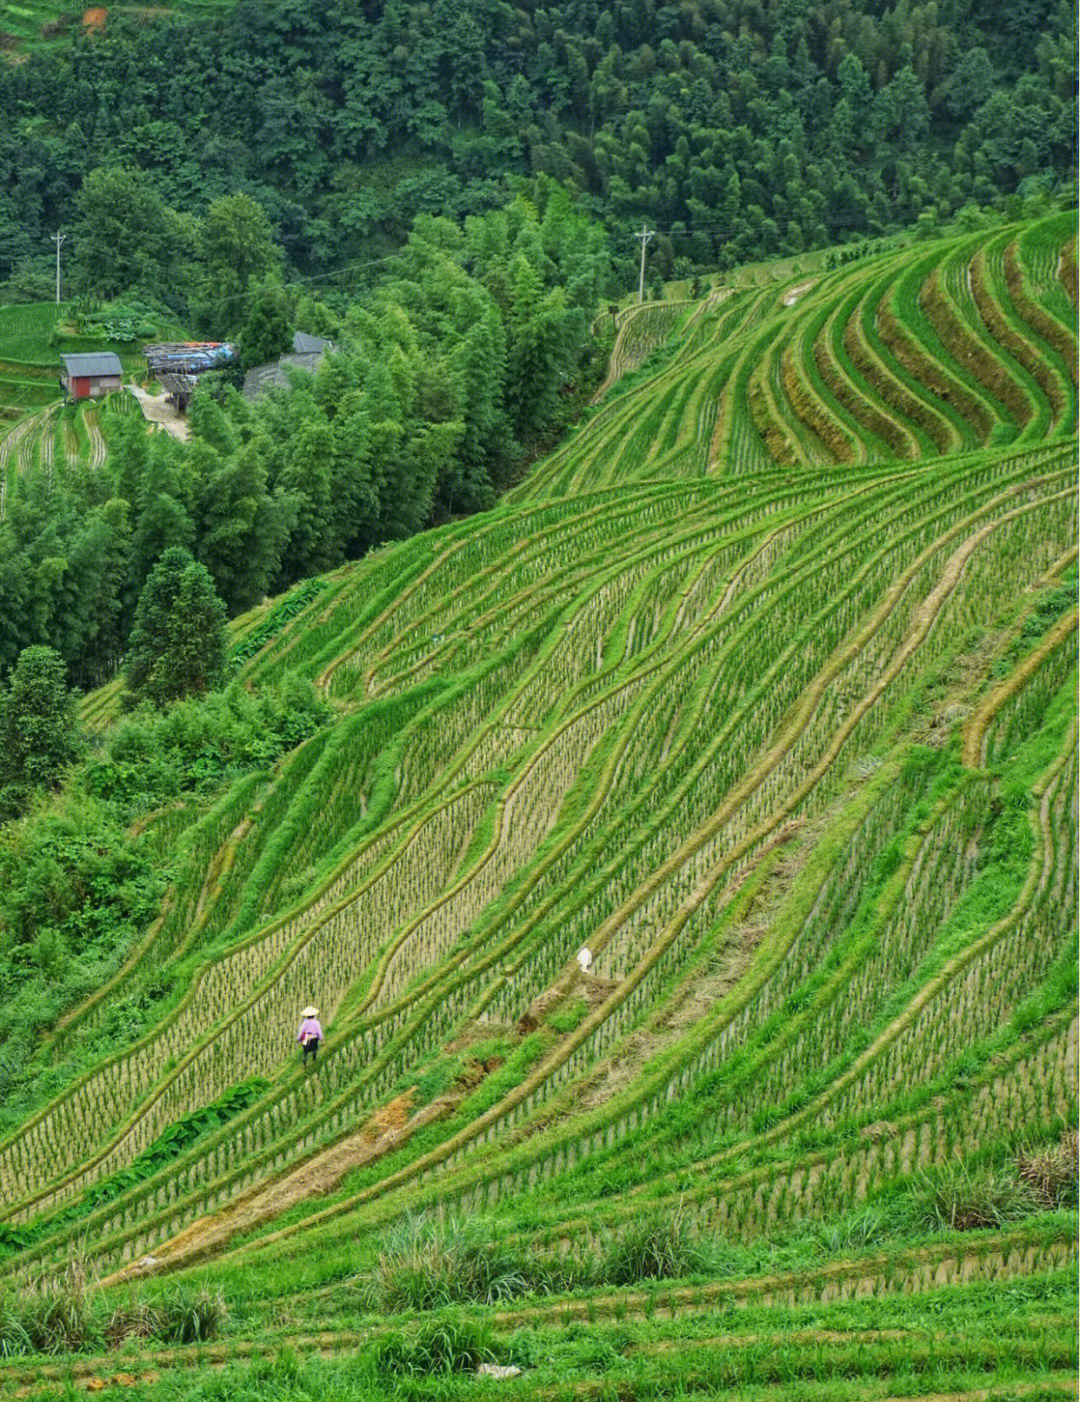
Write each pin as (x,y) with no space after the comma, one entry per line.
(33,337)
(38,733)
(82,878)
(761,686)
(739,131)
(460,366)
(177,642)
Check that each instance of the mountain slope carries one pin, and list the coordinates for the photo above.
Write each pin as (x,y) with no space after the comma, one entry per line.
(787,742)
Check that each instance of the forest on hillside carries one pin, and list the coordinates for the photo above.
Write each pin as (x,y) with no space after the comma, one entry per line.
(473,351)
(449,190)
(738,128)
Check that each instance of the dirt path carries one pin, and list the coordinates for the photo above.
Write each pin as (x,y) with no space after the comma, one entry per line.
(9,457)
(790,298)
(157,410)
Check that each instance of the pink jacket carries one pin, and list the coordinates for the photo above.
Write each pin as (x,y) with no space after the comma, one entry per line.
(310,1027)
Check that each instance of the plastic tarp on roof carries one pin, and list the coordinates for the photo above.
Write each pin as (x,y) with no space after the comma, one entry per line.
(189,357)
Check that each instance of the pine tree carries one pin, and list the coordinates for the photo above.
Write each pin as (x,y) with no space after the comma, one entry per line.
(177,643)
(39,733)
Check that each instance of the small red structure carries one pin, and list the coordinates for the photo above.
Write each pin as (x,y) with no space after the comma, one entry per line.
(91,376)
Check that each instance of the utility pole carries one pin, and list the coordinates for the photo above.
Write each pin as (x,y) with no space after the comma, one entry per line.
(645,235)
(58,238)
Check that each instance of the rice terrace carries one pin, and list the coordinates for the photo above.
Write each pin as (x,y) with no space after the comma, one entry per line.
(761,689)
(538,701)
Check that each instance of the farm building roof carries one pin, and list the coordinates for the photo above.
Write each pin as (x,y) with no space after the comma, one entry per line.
(188,357)
(303,344)
(178,384)
(92,363)
(274,376)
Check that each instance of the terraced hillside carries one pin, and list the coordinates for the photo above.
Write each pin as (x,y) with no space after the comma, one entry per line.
(39,432)
(900,356)
(762,688)
(32,337)
(61,438)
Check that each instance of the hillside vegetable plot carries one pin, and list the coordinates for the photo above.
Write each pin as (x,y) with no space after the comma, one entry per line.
(740,690)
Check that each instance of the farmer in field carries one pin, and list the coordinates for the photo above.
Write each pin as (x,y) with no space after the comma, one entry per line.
(310,1034)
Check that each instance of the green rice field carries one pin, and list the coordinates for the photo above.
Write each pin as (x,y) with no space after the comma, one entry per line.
(760,689)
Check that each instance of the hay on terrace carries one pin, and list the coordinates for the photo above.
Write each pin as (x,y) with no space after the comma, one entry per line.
(392,1115)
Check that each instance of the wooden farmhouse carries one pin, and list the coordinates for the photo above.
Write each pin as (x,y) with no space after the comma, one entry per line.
(90,375)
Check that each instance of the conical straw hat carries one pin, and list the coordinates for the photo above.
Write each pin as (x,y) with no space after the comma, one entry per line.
(309,1011)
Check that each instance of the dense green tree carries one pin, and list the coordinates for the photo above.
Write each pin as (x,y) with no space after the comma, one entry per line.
(39,733)
(177,643)
(242,529)
(235,248)
(266,333)
(123,236)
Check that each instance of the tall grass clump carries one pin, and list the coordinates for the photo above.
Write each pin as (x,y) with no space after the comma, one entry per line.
(1051,1174)
(424,1265)
(67,1314)
(55,1314)
(438,1346)
(963,1199)
(659,1247)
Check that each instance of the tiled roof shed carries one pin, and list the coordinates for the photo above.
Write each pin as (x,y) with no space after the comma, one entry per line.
(91,374)
(273,376)
(303,344)
(94,363)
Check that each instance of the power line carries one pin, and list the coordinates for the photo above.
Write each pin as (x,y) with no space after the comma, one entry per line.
(829,222)
(645,235)
(58,238)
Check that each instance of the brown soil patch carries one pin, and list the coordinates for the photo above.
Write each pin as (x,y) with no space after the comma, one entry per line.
(94,18)
(791,297)
(594,989)
(264,1201)
(480,1032)
(391,1116)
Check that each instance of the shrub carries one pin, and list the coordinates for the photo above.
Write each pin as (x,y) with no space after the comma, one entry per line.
(958,1199)
(442,1346)
(1051,1173)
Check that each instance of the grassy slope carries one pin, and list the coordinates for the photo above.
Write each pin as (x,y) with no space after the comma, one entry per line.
(32,339)
(773,716)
